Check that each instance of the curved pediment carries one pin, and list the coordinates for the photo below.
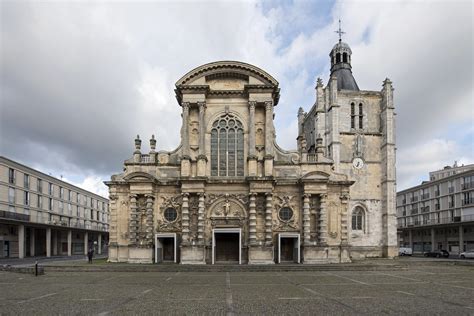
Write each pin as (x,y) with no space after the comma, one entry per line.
(139,176)
(227,70)
(316,175)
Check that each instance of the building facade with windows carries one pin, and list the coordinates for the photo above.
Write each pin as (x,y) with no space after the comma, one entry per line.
(229,193)
(439,214)
(43,216)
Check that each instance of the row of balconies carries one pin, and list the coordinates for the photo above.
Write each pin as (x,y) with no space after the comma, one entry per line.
(437,221)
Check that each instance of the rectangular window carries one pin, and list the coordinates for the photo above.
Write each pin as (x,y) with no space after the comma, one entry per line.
(11,195)
(11,176)
(97,216)
(61,193)
(27,198)
(40,186)
(78,212)
(50,204)
(40,202)
(69,195)
(50,189)
(61,206)
(77,198)
(92,214)
(69,209)
(26,183)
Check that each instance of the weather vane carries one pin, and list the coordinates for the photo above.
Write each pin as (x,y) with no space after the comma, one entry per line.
(340,32)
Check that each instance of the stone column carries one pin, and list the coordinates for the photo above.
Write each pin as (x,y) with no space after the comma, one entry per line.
(149,220)
(268,165)
(133,220)
(86,242)
(268,219)
(99,244)
(252,157)
(21,241)
(184,131)
(432,239)
(185,219)
(55,242)
(32,242)
(323,221)
(306,220)
(48,242)
(200,224)
(202,159)
(252,220)
(461,239)
(69,242)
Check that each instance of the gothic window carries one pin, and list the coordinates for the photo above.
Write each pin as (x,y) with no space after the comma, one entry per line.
(358,218)
(357,116)
(344,57)
(227,147)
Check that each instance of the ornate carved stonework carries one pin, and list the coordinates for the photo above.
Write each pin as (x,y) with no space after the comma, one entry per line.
(211,198)
(166,202)
(285,225)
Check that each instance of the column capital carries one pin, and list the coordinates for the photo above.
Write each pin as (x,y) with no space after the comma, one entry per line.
(268,105)
(306,195)
(185,194)
(252,104)
(202,105)
(185,105)
(201,194)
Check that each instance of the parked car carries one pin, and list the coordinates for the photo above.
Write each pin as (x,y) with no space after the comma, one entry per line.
(405,251)
(467,254)
(437,254)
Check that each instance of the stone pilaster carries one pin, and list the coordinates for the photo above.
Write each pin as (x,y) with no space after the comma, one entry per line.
(269,134)
(149,219)
(306,220)
(200,224)
(344,205)
(252,219)
(252,105)
(113,219)
(268,219)
(323,220)
(133,224)
(202,128)
(185,219)
(184,130)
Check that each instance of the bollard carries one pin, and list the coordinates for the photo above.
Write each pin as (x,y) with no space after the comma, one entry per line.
(36,268)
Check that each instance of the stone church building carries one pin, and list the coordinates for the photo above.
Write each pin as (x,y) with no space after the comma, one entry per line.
(228,193)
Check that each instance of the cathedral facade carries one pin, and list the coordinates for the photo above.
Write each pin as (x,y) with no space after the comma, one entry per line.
(230,194)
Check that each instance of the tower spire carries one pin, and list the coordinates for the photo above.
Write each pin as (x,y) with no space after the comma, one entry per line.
(340,32)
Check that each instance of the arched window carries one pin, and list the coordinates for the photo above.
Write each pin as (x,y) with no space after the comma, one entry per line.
(344,57)
(227,147)
(361,116)
(358,217)
(352,115)
(338,57)
(357,116)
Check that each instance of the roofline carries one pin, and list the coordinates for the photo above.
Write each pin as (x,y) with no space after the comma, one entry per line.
(7,161)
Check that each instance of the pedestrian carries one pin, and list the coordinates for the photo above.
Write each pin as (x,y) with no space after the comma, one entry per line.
(90,254)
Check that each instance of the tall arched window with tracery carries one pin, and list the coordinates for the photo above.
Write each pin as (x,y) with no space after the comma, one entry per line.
(227,147)
(358,217)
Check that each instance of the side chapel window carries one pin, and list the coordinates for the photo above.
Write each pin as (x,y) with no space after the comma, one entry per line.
(358,218)
(227,147)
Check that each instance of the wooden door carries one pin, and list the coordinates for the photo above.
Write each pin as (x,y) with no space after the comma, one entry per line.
(286,248)
(168,249)
(227,247)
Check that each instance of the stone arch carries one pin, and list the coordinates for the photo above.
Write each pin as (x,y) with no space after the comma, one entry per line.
(359,215)
(140,176)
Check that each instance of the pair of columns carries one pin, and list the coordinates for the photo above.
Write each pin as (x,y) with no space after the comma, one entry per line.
(185,220)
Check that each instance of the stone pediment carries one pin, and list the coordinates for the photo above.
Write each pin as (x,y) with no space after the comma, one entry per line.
(139,176)
(316,176)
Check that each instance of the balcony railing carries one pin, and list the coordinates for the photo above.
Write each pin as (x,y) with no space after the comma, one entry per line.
(439,221)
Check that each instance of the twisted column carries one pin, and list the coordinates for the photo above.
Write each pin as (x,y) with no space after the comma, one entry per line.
(306,220)
(149,219)
(323,220)
(252,219)
(185,218)
(200,223)
(268,219)
(133,224)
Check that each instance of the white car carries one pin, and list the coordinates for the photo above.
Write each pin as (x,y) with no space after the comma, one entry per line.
(405,251)
(467,254)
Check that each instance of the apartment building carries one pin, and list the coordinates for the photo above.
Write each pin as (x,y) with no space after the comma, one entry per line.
(41,215)
(439,214)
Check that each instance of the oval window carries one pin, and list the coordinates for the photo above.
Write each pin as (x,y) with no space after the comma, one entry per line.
(170,214)
(285,213)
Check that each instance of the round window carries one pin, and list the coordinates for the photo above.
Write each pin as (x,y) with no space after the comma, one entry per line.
(285,213)
(170,214)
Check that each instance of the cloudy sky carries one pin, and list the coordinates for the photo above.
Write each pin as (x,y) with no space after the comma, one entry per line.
(78,80)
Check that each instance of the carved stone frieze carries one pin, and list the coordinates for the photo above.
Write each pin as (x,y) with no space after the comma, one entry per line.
(211,198)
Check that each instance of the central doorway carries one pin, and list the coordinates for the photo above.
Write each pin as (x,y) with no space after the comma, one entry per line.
(226,245)
(165,247)
(289,247)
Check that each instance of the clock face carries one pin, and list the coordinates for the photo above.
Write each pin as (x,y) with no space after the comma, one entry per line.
(358,163)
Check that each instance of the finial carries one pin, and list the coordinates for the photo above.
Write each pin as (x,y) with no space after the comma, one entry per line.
(340,32)
(319,82)
(138,143)
(153,143)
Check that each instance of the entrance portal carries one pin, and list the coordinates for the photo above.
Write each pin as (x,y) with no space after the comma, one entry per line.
(226,244)
(165,248)
(288,247)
